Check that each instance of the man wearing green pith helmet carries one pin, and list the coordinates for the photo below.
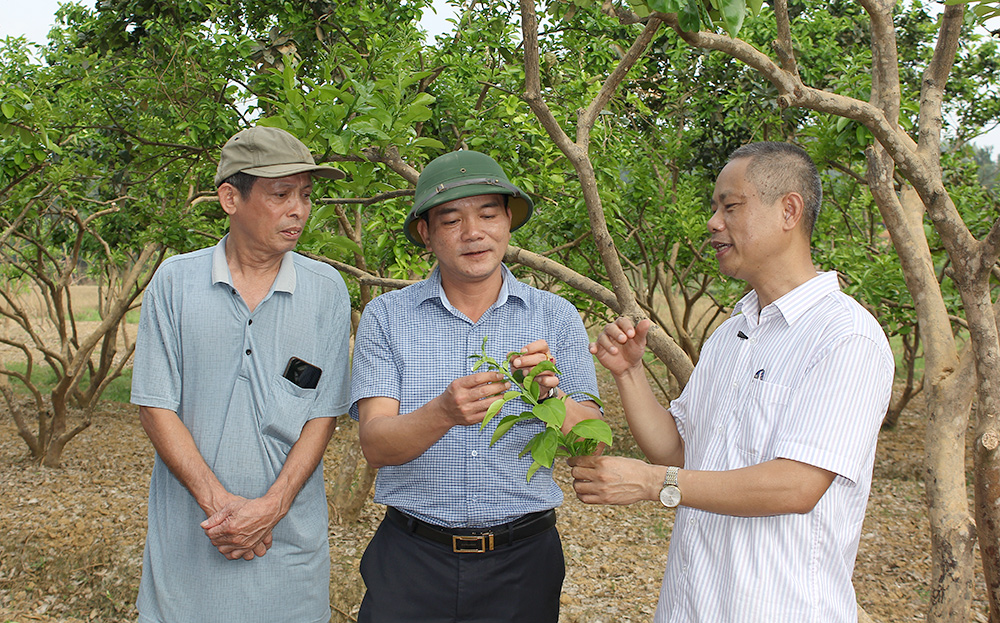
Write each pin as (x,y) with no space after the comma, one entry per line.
(466,536)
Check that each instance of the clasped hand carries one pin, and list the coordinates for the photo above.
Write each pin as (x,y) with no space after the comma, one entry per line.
(241,528)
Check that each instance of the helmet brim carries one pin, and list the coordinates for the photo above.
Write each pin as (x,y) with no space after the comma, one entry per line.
(520,206)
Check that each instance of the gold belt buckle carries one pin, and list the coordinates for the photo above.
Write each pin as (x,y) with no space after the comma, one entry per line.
(472,544)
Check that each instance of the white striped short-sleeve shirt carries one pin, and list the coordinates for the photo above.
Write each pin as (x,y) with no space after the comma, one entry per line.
(808,378)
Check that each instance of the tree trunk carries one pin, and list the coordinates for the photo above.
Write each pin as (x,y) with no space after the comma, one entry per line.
(353,481)
(983,333)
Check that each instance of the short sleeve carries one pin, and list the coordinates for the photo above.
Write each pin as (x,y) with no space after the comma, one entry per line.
(375,372)
(156,370)
(335,384)
(573,358)
(836,412)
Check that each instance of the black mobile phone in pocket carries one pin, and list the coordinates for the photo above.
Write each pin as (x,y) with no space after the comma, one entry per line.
(302,373)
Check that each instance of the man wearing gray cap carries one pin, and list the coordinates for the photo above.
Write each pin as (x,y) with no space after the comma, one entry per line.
(241,368)
(467,537)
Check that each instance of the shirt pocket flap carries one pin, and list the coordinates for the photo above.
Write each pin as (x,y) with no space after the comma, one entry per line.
(289,407)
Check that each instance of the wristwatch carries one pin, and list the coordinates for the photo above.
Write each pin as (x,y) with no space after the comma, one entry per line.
(670,494)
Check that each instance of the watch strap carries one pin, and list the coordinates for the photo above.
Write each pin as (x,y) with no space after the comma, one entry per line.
(671,477)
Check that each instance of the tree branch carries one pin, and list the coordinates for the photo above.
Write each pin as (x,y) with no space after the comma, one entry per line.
(611,84)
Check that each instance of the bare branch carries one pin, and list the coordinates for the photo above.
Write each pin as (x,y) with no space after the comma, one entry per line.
(935,80)
(614,80)
(362,276)
(570,277)
(391,158)
(783,45)
(367,201)
(533,82)
(569,245)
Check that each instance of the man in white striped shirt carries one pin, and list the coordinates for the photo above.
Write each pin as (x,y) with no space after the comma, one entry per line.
(768,452)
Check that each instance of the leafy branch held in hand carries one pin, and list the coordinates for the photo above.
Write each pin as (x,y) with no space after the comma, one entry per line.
(544,447)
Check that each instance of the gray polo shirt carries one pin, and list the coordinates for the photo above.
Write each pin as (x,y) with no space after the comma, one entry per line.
(202,354)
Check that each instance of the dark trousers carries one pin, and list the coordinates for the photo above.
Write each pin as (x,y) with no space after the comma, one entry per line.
(411,579)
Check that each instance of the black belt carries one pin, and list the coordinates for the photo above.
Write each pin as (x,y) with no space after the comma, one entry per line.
(476,540)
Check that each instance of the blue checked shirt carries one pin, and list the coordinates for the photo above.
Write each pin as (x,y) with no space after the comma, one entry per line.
(412,343)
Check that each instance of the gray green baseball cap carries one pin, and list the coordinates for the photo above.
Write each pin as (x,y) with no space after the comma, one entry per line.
(461,174)
(268,152)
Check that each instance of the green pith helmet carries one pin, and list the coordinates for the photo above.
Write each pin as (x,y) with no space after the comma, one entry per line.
(461,174)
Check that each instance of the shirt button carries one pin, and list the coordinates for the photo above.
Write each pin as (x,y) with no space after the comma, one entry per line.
(475,453)
(692,521)
(249,351)
(249,322)
(721,429)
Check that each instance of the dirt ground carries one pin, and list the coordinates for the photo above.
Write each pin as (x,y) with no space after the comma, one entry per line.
(71,538)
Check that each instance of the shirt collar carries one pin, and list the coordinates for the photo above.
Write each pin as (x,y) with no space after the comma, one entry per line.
(792,305)
(510,287)
(283,282)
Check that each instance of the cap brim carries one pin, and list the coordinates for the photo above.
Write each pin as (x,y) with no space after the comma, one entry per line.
(284,170)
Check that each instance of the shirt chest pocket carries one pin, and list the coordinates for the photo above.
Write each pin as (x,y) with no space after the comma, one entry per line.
(759,417)
(289,407)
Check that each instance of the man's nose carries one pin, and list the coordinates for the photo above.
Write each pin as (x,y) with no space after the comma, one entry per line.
(472,228)
(715,223)
(301,206)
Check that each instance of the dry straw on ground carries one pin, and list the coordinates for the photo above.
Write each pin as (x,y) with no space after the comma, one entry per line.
(71,539)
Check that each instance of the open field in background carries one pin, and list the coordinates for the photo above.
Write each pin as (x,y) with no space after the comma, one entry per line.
(71,539)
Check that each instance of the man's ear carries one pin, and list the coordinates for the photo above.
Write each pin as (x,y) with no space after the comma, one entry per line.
(794,209)
(228,196)
(423,229)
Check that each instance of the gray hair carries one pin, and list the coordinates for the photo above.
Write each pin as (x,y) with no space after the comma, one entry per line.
(779,168)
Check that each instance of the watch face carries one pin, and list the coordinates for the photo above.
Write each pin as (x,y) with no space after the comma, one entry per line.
(670,496)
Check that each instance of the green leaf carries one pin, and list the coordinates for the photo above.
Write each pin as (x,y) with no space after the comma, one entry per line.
(593,429)
(507,423)
(733,12)
(592,397)
(545,450)
(493,409)
(552,412)
(426,141)
(534,468)
(544,366)
(531,445)
(664,6)
(531,388)
(690,16)
(423,99)
(8,110)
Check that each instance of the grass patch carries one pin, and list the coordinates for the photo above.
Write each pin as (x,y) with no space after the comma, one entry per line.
(119,390)
(90,314)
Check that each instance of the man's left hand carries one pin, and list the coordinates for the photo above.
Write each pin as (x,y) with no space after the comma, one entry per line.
(532,355)
(615,479)
(242,528)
